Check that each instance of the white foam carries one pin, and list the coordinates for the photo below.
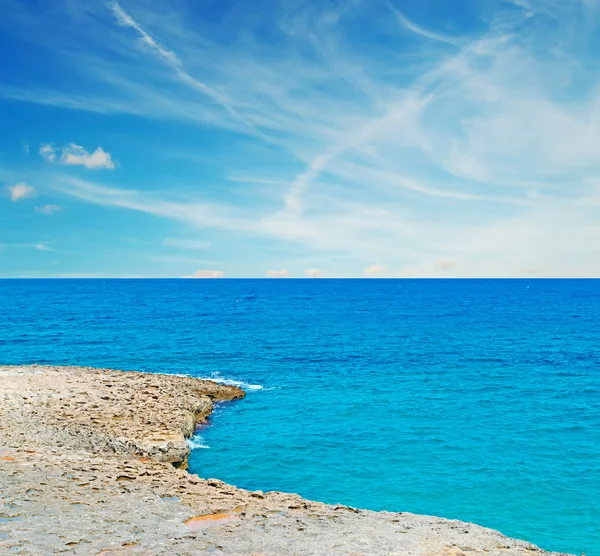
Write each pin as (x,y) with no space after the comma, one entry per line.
(216,377)
(197,442)
(240,383)
(232,382)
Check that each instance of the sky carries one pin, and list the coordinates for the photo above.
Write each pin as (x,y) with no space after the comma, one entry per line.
(292,138)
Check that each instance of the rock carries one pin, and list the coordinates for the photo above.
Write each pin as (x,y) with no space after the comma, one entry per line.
(106,410)
(88,466)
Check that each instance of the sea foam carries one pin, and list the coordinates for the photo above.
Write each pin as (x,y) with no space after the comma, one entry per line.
(197,442)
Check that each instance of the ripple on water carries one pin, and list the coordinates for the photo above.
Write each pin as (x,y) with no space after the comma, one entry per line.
(476,400)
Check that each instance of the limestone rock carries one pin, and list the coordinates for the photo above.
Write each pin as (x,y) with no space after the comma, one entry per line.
(88,466)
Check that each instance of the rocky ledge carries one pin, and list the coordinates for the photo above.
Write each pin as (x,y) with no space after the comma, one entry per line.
(92,461)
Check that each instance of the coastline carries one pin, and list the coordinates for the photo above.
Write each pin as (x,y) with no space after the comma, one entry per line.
(93,461)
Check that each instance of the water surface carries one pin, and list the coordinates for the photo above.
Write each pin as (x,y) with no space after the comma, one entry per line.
(470,399)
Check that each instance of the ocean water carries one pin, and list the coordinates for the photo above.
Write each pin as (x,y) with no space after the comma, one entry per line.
(470,399)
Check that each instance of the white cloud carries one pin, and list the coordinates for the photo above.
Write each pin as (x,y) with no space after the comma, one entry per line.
(21,191)
(187,243)
(42,247)
(48,209)
(465,146)
(207,274)
(422,31)
(200,214)
(375,270)
(48,153)
(283,273)
(314,273)
(445,264)
(168,56)
(76,155)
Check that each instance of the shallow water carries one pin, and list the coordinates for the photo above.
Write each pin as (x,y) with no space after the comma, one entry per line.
(473,399)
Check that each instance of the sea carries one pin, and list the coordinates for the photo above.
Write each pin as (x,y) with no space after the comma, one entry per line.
(476,400)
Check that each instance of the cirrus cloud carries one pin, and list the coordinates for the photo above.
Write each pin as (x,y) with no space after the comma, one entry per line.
(48,209)
(187,243)
(42,246)
(485,147)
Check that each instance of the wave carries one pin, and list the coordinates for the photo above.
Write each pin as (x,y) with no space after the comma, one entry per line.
(240,383)
(197,442)
(216,377)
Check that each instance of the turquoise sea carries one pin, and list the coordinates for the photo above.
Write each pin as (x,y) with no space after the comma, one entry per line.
(470,399)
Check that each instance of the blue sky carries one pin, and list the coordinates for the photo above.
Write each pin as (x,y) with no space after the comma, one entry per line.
(300,138)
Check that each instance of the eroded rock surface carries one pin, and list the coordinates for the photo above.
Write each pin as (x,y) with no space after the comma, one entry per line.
(97,478)
(102,410)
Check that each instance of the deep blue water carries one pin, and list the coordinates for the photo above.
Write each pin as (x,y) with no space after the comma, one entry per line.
(470,399)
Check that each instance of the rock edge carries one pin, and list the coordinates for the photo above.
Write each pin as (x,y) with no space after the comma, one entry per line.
(88,465)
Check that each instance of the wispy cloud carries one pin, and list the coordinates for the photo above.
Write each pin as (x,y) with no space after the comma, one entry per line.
(355,227)
(410,25)
(42,247)
(20,191)
(201,214)
(48,209)
(76,155)
(314,273)
(187,243)
(478,146)
(170,58)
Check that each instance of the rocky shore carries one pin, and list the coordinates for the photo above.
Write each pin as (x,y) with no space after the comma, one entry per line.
(92,461)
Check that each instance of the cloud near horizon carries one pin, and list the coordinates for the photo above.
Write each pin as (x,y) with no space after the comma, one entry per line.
(283,273)
(206,274)
(375,270)
(445,264)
